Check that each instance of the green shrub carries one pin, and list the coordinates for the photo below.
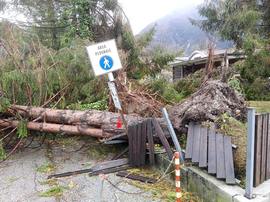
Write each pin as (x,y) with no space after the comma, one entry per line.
(255,71)
(165,89)
(258,90)
(235,83)
(187,86)
(99,105)
(4,104)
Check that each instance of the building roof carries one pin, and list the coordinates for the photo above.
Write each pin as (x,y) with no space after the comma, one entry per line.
(200,56)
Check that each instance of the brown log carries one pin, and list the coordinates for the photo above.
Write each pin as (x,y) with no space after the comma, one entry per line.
(96,118)
(58,128)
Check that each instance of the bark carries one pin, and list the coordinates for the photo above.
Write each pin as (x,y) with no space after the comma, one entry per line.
(58,128)
(95,118)
(213,99)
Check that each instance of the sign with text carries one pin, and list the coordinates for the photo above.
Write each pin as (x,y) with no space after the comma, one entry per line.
(104,57)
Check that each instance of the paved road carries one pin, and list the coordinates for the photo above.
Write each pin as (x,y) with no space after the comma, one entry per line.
(22,181)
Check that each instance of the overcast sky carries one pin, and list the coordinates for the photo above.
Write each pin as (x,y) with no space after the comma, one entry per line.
(143,12)
(140,12)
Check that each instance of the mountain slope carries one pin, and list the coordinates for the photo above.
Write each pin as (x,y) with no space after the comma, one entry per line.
(174,32)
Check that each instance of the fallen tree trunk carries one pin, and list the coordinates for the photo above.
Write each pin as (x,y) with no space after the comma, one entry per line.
(107,121)
(73,117)
(58,128)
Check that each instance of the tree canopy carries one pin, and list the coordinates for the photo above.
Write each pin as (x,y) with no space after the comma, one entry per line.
(247,24)
(58,22)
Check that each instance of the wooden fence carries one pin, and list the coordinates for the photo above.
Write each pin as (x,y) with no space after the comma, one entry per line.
(212,150)
(262,149)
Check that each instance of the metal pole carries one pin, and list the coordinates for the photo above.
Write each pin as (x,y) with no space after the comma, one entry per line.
(250,153)
(172,133)
(177,177)
(117,101)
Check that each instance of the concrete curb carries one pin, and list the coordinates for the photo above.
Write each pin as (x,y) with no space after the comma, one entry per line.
(209,189)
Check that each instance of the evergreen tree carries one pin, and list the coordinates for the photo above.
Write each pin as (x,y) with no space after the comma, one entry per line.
(58,22)
(230,19)
(247,23)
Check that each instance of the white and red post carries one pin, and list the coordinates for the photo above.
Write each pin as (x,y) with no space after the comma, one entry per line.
(177,176)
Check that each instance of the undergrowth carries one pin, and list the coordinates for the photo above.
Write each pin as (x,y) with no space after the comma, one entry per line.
(163,88)
(99,105)
(163,189)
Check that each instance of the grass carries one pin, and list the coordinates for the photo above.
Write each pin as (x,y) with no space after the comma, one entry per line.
(261,106)
(46,168)
(96,151)
(54,191)
(67,141)
(163,189)
(50,182)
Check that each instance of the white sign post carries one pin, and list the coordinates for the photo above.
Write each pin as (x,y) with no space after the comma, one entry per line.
(105,60)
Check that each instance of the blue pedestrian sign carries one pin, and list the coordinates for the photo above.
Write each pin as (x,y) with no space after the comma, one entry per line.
(104,57)
(106,62)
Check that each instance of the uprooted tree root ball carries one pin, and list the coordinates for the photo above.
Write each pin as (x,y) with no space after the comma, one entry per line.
(213,99)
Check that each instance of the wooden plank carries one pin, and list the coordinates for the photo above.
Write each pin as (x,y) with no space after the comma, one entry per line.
(196,144)
(229,165)
(107,165)
(122,135)
(163,138)
(150,141)
(113,142)
(189,147)
(268,149)
(220,157)
(264,147)
(109,170)
(212,159)
(110,164)
(133,176)
(130,144)
(143,142)
(138,145)
(203,147)
(258,150)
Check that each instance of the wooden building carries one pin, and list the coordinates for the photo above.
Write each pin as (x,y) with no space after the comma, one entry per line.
(183,66)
